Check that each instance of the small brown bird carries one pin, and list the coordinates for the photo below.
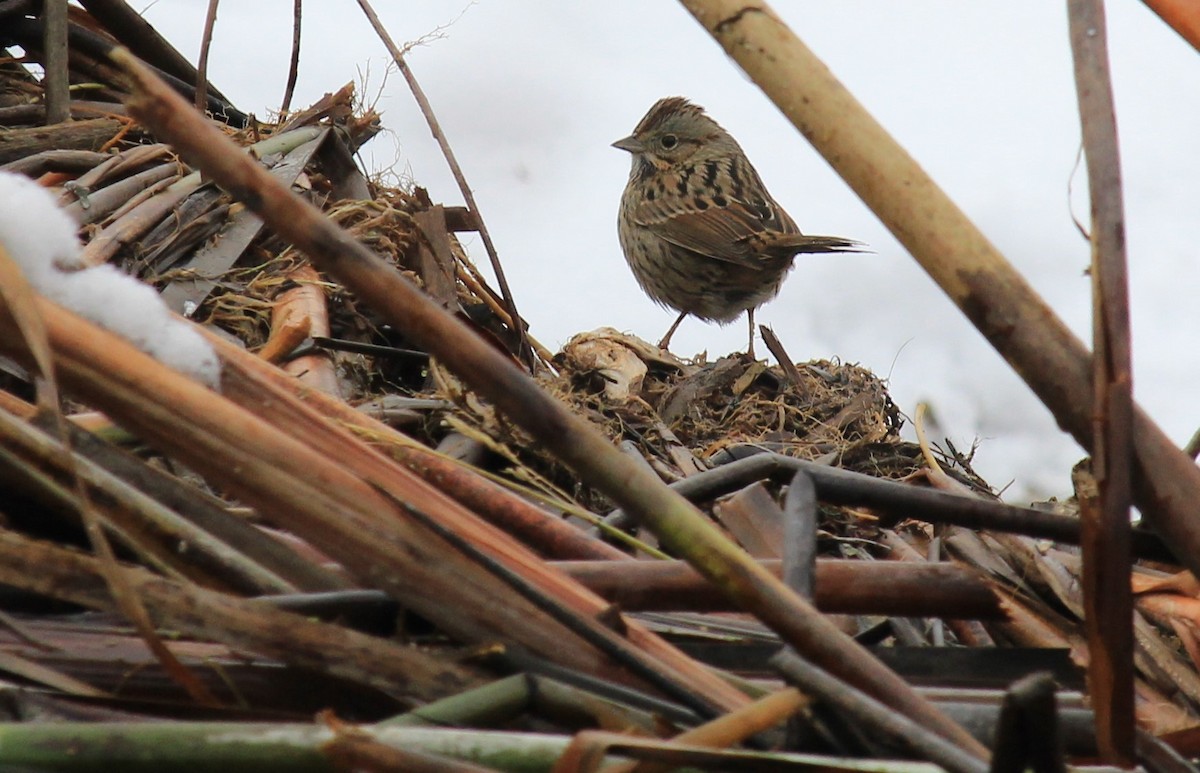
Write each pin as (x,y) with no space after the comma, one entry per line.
(697,226)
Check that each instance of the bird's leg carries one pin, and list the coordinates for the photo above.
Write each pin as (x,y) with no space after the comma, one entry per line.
(666,339)
(750,348)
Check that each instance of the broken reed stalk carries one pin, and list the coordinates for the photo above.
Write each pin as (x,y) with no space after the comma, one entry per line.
(525,352)
(495,377)
(1108,599)
(1000,303)
(304,308)
(57,80)
(291,320)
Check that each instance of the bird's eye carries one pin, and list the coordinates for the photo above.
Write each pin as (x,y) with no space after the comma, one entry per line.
(668,141)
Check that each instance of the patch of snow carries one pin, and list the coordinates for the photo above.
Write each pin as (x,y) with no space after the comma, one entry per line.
(40,237)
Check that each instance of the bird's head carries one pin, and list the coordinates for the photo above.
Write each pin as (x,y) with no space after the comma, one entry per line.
(673,132)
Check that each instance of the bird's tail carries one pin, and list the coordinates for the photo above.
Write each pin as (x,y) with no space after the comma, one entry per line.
(788,245)
(802,243)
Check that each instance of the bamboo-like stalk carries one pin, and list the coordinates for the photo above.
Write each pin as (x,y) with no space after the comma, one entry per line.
(894,501)
(30,332)
(249,747)
(677,523)
(135,223)
(843,586)
(1108,600)
(1001,304)
(132,224)
(489,704)
(114,167)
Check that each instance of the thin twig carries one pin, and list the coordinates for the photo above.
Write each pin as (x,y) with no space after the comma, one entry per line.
(525,353)
(210,20)
(294,66)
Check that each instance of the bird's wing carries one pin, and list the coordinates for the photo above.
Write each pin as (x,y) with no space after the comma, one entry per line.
(725,232)
(757,236)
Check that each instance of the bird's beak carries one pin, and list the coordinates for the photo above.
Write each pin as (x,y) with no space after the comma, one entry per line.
(631,144)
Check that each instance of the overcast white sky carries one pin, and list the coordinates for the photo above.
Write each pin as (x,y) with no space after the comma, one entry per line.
(532,93)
